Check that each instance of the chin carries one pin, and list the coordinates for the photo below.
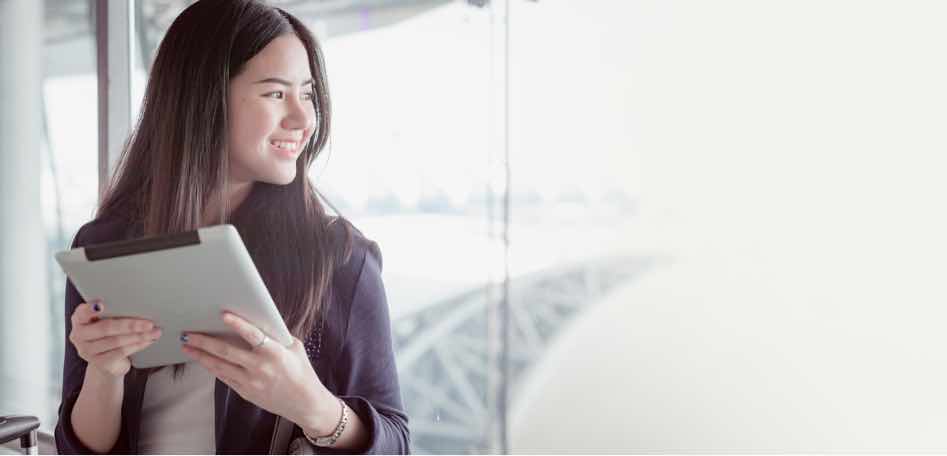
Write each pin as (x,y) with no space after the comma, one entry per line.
(286,180)
(280,178)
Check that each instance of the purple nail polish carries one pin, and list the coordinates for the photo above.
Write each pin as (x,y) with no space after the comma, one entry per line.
(184,338)
(96,307)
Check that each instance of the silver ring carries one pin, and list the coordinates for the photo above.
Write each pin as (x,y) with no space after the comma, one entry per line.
(262,340)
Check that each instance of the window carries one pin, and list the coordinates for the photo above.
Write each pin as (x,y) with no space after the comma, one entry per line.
(409,163)
(68,182)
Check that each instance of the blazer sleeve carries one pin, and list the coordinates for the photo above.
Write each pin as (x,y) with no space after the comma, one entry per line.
(367,374)
(74,368)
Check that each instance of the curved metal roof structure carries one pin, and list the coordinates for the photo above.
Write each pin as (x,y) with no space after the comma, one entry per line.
(69,36)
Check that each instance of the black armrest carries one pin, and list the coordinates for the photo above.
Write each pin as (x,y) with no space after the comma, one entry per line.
(21,427)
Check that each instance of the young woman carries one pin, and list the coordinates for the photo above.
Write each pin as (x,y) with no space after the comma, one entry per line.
(236,110)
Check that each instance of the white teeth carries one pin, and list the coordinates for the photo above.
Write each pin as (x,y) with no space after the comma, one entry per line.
(284,144)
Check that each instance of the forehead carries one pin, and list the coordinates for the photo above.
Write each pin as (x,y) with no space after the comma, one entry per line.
(284,57)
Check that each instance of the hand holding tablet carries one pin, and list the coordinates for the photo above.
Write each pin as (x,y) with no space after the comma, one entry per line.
(107,344)
(180,283)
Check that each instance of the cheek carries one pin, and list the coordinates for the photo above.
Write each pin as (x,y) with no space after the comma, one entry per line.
(250,126)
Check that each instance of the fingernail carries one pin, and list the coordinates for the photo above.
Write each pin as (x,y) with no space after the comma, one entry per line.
(184,338)
(96,307)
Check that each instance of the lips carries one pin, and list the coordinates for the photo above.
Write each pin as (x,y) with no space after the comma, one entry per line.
(282,144)
(287,149)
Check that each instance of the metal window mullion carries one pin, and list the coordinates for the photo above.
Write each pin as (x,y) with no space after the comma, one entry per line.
(114,27)
(499,211)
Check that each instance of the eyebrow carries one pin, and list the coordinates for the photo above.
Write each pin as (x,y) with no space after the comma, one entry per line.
(282,81)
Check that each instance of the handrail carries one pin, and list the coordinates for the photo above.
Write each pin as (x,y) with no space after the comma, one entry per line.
(22,427)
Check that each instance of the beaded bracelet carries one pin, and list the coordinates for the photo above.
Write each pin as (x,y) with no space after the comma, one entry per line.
(329,440)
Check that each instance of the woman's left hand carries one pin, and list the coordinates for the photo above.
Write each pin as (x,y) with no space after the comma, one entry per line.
(278,379)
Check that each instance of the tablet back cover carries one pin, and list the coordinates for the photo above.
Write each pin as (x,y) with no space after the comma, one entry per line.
(181,282)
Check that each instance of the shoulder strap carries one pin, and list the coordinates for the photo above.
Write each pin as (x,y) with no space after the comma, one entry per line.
(282,433)
(283,429)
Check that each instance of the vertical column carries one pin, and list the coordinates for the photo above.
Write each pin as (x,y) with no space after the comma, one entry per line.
(498,192)
(114,43)
(24,298)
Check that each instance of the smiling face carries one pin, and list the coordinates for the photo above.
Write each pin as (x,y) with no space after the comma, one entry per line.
(271,113)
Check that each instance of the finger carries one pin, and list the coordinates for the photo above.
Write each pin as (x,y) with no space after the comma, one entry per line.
(221,349)
(86,312)
(112,342)
(122,352)
(247,331)
(112,327)
(221,368)
(297,346)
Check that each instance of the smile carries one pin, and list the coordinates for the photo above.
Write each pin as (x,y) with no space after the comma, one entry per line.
(285,145)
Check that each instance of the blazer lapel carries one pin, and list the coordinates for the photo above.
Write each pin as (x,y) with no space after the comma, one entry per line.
(135,383)
(221,403)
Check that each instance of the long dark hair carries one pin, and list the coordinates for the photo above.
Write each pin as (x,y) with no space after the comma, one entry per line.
(176,159)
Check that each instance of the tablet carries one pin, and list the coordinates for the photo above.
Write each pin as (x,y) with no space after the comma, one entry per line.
(182,282)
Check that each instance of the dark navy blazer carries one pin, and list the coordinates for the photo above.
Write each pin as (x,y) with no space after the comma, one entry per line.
(356,363)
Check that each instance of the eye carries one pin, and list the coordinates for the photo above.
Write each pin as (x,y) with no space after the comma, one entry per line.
(308,96)
(277,95)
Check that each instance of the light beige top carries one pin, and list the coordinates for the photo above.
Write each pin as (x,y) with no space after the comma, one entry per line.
(178,416)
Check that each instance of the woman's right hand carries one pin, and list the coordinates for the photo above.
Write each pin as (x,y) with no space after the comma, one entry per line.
(107,343)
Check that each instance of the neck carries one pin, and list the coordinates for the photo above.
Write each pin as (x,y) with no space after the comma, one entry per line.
(234,195)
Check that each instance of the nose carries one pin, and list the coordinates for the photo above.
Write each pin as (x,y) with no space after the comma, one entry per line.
(298,115)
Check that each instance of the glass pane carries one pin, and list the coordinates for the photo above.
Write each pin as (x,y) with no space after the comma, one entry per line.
(411,92)
(768,177)
(576,184)
(68,184)
(409,166)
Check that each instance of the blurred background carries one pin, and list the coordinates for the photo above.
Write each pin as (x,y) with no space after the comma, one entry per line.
(708,226)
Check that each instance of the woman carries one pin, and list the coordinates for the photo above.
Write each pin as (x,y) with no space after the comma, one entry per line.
(236,110)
